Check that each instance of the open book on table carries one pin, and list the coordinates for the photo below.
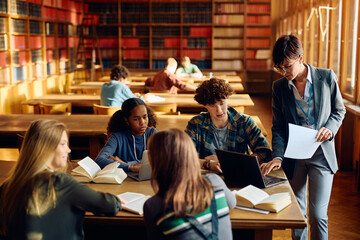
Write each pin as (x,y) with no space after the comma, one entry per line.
(253,197)
(134,201)
(89,171)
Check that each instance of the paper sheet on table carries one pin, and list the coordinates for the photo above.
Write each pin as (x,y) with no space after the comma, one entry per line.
(150,98)
(302,143)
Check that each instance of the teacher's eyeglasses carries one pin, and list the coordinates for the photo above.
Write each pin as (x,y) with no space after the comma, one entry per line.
(284,69)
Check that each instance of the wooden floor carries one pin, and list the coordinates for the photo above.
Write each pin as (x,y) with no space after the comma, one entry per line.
(344,208)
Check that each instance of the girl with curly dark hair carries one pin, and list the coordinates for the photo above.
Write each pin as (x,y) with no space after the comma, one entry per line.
(129,130)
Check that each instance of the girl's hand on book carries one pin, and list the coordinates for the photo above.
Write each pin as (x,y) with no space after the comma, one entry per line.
(135,167)
(116,158)
(122,201)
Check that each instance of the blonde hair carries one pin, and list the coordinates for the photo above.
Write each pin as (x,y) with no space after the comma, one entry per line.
(23,189)
(176,175)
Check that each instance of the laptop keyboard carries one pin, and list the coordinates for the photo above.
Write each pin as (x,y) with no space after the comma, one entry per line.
(267,181)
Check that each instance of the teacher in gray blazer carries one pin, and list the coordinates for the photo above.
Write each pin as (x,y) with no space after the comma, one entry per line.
(310,97)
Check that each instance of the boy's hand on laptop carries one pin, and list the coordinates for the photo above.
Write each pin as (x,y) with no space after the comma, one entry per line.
(274,164)
(214,163)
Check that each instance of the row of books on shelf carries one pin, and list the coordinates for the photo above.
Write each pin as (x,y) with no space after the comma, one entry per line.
(197,31)
(254,64)
(59,14)
(258,43)
(109,53)
(227,64)
(135,31)
(228,43)
(258,19)
(4,76)
(228,54)
(18,7)
(103,7)
(258,8)
(229,8)
(165,18)
(19,73)
(21,8)
(228,32)
(17,25)
(35,27)
(258,31)
(67,4)
(141,7)
(197,17)
(135,18)
(3,7)
(3,42)
(258,54)
(49,28)
(229,19)
(108,18)
(2,25)
(135,63)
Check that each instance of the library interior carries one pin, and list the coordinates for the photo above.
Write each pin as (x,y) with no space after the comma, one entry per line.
(56,55)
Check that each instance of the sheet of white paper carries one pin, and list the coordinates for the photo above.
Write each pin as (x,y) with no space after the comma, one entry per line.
(302,143)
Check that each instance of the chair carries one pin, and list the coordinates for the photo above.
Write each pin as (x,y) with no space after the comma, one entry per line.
(164,108)
(104,110)
(55,108)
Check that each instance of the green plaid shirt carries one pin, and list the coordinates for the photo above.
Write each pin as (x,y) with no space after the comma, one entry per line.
(243,133)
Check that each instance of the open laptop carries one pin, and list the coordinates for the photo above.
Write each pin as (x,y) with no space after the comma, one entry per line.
(145,169)
(241,170)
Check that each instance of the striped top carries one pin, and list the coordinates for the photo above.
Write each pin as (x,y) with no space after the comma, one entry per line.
(166,226)
(172,226)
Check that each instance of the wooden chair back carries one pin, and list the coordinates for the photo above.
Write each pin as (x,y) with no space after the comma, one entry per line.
(55,108)
(164,108)
(104,110)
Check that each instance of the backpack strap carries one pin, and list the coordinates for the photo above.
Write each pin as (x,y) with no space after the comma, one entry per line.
(214,221)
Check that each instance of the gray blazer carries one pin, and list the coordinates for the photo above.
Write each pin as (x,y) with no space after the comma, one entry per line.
(329,112)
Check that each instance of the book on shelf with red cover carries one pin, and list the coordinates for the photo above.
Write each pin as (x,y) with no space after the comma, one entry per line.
(255,19)
(258,31)
(257,43)
(174,42)
(3,59)
(135,53)
(200,31)
(130,42)
(50,42)
(18,41)
(62,42)
(35,42)
(258,8)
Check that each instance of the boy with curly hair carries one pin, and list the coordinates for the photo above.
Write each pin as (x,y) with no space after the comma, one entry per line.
(222,127)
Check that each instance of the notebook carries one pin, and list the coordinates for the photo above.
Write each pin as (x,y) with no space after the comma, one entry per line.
(145,169)
(241,170)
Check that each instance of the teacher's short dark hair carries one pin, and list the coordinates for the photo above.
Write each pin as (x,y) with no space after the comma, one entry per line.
(286,47)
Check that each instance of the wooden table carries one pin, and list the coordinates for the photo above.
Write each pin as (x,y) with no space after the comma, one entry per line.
(185,102)
(290,217)
(91,127)
(95,88)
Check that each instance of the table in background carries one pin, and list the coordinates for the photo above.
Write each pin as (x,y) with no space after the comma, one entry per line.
(185,102)
(89,127)
(95,88)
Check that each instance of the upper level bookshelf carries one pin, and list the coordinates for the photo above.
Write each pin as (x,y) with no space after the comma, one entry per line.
(36,38)
(39,38)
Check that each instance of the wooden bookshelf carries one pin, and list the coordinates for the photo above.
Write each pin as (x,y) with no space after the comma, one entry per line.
(39,38)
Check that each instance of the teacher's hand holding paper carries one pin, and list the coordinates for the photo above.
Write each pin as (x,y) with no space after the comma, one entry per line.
(303,142)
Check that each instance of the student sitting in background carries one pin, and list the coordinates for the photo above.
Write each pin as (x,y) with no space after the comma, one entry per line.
(39,202)
(222,127)
(114,93)
(167,80)
(183,196)
(129,130)
(187,69)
